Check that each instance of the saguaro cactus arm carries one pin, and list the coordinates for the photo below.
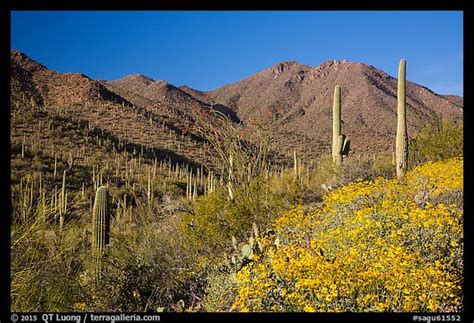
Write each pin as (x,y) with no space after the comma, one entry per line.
(346,146)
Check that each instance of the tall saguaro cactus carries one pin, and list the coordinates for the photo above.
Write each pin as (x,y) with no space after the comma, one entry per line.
(340,144)
(63,204)
(100,221)
(295,165)
(231,178)
(402,134)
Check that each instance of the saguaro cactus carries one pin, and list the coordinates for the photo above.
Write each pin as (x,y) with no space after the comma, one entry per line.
(63,204)
(231,178)
(295,165)
(402,134)
(340,144)
(100,221)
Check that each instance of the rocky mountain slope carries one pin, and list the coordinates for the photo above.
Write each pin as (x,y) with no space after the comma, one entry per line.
(51,88)
(158,127)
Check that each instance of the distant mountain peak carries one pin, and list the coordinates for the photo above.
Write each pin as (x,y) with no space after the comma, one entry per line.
(25,61)
(162,85)
(163,82)
(300,97)
(335,64)
(53,88)
(137,78)
(283,67)
(287,63)
(186,87)
(76,75)
(18,55)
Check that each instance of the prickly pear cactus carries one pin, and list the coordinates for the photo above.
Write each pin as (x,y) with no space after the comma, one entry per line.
(244,252)
(247,251)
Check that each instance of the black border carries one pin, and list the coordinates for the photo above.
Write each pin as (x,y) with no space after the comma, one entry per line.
(201,5)
(468,287)
(5,206)
(7,7)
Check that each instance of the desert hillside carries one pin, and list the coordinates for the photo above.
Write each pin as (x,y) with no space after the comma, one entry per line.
(135,195)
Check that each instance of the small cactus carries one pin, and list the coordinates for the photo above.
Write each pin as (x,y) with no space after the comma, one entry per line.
(255,230)
(251,242)
(247,251)
(326,188)
(277,242)
(234,243)
(244,252)
(100,221)
(180,306)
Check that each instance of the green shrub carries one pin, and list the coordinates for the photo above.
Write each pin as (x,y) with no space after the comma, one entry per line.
(145,268)
(221,287)
(439,140)
(45,267)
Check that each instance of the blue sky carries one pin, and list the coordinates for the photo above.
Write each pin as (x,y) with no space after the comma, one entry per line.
(206,50)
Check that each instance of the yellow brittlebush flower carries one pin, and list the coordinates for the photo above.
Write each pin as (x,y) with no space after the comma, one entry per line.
(382,245)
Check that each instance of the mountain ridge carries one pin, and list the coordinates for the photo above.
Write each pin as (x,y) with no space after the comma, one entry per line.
(53,88)
(293,98)
(300,97)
